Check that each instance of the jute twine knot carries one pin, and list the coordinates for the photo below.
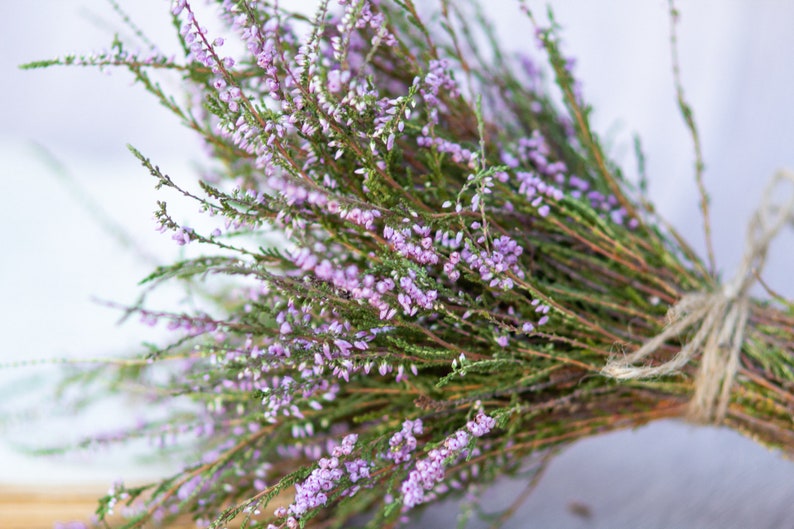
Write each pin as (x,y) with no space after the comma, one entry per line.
(720,317)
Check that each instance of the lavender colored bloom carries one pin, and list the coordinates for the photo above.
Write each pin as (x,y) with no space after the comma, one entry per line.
(481,425)
(183,236)
(427,475)
(336,79)
(357,469)
(315,490)
(402,241)
(312,493)
(492,265)
(403,443)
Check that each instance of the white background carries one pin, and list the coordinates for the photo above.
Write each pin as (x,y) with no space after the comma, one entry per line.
(738,70)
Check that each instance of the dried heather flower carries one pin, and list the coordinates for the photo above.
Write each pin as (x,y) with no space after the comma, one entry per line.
(412,264)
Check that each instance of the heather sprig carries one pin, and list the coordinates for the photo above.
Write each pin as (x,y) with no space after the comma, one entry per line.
(417,266)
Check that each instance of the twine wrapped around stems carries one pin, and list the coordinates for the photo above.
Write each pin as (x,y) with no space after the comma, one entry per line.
(720,317)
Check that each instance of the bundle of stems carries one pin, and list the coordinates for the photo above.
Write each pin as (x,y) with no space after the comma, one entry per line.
(418,265)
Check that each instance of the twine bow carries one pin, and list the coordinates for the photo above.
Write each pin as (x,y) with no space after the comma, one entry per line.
(721,318)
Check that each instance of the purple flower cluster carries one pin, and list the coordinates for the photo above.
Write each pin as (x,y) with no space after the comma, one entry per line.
(285,319)
(437,80)
(279,398)
(389,116)
(609,205)
(365,218)
(333,344)
(491,265)
(534,151)
(357,469)
(116,493)
(367,288)
(262,45)
(412,298)
(254,139)
(403,443)
(400,240)
(535,189)
(360,15)
(205,53)
(450,267)
(460,154)
(314,490)
(427,475)
(189,487)
(115,56)
(336,80)
(481,425)
(449,239)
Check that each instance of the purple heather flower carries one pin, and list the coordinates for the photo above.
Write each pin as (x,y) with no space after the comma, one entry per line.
(457,441)
(316,488)
(403,442)
(312,492)
(509,160)
(427,476)
(346,447)
(492,265)
(459,154)
(182,236)
(177,7)
(481,425)
(357,469)
(384,369)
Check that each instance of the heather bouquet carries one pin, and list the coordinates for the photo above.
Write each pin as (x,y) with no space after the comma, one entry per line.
(415,271)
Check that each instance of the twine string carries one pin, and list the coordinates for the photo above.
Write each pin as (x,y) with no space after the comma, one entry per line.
(720,316)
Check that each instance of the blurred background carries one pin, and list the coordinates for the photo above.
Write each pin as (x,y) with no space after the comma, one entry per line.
(67,182)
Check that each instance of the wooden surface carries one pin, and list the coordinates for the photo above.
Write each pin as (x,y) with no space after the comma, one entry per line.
(35,508)
(27,507)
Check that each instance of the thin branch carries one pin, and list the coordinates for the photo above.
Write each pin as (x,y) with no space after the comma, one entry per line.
(689,119)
